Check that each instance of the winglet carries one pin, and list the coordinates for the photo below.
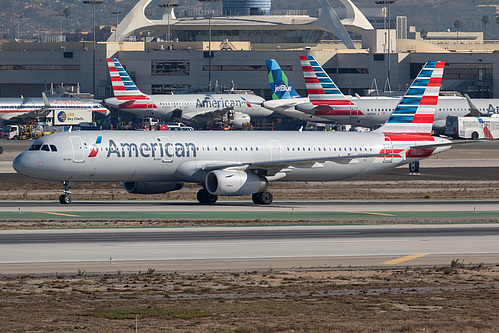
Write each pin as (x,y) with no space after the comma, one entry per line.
(474,112)
(45,100)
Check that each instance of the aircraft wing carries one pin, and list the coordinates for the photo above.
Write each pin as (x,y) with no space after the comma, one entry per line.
(215,114)
(275,166)
(32,115)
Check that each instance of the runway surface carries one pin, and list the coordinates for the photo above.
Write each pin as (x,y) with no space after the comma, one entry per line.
(243,248)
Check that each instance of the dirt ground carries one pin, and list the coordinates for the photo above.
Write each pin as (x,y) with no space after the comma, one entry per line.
(456,298)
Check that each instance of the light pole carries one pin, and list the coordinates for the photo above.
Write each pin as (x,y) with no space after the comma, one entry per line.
(61,15)
(115,31)
(18,16)
(93,3)
(209,42)
(387,2)
(170,7)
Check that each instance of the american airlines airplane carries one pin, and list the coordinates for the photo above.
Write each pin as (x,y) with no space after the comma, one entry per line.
(203,108)
(27,108)
(239,163)
(326,101)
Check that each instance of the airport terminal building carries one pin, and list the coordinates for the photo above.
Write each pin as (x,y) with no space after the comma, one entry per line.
(177,58)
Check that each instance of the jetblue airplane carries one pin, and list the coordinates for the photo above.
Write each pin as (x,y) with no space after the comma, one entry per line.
(28,108)
(239,163)
(203,108)
(326,101)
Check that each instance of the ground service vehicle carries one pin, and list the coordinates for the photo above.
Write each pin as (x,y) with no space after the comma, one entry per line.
(472,127)
(16,132)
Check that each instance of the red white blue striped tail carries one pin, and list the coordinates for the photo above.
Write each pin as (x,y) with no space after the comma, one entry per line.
(123,86)
(322,92)
(416,110)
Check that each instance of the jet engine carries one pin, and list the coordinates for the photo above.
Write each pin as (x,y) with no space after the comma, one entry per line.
(151,187)
(239,119)
(226,182)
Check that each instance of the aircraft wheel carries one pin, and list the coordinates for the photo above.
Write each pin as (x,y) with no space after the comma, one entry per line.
(262,198)
(206,197)
(414,167)
(65,199)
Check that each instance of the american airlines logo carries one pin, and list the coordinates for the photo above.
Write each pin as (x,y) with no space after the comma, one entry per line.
(282,87)
(95,149)
(151,149)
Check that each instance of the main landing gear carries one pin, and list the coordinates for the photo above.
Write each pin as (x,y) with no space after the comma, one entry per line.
(262,198)
(205,197)
(414,167)
(65,198)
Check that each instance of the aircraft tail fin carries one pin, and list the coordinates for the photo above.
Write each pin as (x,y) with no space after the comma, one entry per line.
(279,84)
(416,111)
(123,85)
(321,89)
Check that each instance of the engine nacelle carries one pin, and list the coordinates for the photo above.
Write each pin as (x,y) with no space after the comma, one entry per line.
(151,187)
(225,182)
(240,119)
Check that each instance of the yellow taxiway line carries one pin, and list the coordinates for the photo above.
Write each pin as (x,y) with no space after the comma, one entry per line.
(371,213)
(58,214)
(402,259)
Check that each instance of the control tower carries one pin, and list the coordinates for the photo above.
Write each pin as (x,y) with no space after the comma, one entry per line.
(246,7)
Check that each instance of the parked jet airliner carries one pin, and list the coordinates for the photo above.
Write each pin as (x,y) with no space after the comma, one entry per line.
(239,163)
(326,101)
(15,109)
(203,108)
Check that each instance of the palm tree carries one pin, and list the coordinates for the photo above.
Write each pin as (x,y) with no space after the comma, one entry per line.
(457,25)
(423,33)
(485,21)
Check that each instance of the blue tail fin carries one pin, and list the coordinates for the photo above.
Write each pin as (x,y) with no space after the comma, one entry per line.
(279,84)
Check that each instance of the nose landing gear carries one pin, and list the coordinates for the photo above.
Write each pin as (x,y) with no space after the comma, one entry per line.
(65,198)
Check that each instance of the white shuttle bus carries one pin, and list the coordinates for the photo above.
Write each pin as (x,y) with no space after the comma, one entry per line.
(473,127)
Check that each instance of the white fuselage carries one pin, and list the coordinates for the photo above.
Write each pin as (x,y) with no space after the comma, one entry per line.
(377,110)
(133,156)
(15,107)
(191,105)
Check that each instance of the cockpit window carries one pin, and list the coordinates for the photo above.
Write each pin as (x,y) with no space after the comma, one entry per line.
(45,147)
(53,148)
(35,147)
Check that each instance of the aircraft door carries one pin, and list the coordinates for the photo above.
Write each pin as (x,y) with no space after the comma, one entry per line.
(168,149)
(275,150)
(150,108)
(388,148)
(78,154)
(354,111)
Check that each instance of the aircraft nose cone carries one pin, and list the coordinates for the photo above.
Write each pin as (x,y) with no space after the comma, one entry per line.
(22,164)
